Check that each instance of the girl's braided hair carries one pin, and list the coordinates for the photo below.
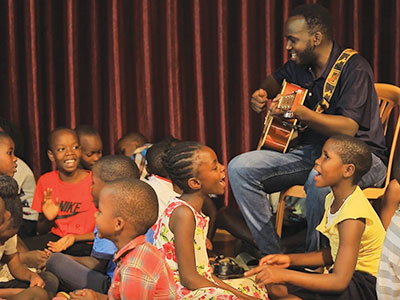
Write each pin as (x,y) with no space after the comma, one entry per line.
(178,162)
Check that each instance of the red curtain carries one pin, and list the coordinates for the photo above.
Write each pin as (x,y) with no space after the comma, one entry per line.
(180,67)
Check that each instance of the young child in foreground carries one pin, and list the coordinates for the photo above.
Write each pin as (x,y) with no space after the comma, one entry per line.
(354,230)
(182,229)
(63,198)
(127,209)
(95,271)
(27,284)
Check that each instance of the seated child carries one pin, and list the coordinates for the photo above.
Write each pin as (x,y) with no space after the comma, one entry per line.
(63,197)
(350,223)
(134,145)
(10,165)
(95,271)
(388,279)
(91,146)
(182,229)
(127,209)
(26,182)
(27,185)
(159,180)
(10,220)
(158,177)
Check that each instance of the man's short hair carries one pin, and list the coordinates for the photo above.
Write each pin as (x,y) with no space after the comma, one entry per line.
(112,167)
(12,202)
(317,17)
(135,201)
(353,151)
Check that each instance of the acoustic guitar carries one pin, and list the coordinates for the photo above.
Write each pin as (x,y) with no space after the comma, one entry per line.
(279,132)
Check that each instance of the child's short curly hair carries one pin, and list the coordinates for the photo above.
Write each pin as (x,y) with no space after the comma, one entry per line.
(353,151)
(135,201)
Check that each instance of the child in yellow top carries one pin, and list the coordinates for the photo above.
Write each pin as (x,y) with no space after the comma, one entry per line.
(353,228)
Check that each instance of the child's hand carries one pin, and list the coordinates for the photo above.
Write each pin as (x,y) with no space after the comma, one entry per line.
(62,244)
(35,258)
(276,260)
(84,294)
(36,280)
(49,207)
(267,274)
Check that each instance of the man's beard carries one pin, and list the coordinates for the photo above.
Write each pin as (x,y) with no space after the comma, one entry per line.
(307,57)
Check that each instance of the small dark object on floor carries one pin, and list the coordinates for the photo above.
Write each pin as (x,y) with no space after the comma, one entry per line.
(226,268)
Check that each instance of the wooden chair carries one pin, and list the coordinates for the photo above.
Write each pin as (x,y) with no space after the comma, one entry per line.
(388,98)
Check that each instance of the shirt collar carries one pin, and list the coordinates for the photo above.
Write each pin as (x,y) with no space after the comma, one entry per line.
(130,246)
(336,50)
(162,178)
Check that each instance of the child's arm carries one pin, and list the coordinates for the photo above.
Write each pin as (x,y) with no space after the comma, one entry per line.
(44,225)
(350,232)
(48,213)
(35,258)
(50,206)
(68,240)
(311,259)
(390,203)
(20,272)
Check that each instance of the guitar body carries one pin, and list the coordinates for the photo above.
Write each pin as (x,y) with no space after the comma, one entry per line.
(277,133)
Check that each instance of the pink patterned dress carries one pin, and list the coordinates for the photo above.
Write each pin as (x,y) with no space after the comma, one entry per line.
(164,241)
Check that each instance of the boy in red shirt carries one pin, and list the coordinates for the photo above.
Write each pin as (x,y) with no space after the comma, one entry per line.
(127,209)
(63,197)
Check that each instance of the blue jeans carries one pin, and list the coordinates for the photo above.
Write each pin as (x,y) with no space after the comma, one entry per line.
(254,175)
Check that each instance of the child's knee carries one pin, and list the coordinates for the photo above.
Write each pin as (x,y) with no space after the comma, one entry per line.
(37,293)
(51,283)
(277,291)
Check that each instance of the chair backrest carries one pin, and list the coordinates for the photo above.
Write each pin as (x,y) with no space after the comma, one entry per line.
(388,98)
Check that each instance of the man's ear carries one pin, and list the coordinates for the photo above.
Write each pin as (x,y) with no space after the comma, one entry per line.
(317,38)
(51,155)
(349,170)
(7,215)
(194,184)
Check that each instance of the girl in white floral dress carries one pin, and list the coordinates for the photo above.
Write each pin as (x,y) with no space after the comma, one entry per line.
(182,229)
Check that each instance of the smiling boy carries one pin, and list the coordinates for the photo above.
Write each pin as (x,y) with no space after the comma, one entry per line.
(63,197)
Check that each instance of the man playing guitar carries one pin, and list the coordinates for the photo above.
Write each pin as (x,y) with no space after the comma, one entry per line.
(352,110)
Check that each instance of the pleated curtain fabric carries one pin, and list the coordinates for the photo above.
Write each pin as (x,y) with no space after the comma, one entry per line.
(160,67)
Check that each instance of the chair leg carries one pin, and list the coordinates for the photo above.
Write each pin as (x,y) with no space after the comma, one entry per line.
(279,213)
(295,191)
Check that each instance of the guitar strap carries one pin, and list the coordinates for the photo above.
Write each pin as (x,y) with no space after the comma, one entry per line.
(333,78)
